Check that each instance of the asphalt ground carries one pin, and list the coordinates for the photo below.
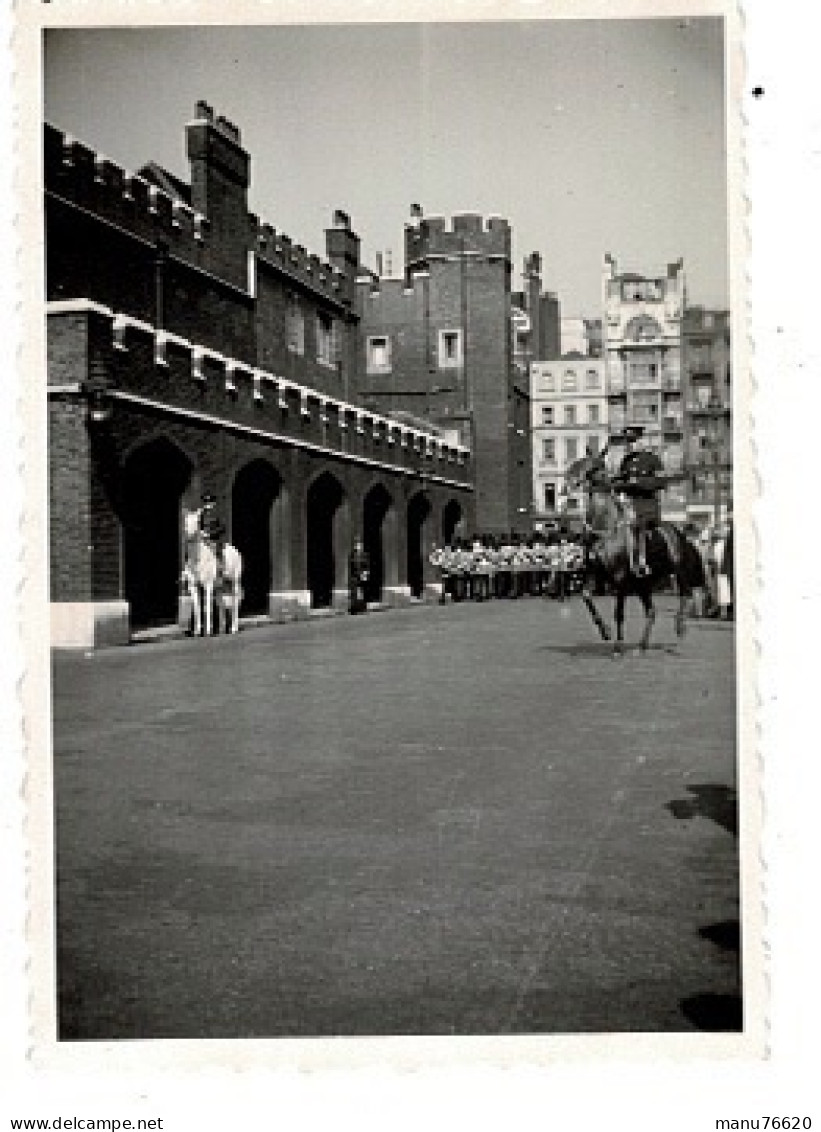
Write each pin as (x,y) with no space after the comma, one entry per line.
(469,819)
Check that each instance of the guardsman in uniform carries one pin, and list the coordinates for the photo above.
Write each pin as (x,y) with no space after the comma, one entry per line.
(481,570)
(210,523)
(359,568)
(521,568)
(213,529)
(437,561)
(507,552)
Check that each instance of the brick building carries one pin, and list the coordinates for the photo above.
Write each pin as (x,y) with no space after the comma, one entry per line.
(706,378)
(438,343)
(191,347)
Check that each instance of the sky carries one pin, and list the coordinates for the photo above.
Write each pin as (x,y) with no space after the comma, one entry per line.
(589,136)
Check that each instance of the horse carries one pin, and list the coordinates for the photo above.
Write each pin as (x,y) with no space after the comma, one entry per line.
(609,558)
(204,567)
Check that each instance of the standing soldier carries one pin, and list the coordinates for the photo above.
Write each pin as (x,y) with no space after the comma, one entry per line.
(358,575)
(437,561)
(481,570)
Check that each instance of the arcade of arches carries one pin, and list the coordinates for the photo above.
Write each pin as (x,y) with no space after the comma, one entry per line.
(295,534)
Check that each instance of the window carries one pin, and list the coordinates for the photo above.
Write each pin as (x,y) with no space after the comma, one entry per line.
(549,450)
(571,449)
(591,379)
(548,381)
(379,355)
(643,373)
(295,326)
(550,497)
(325,339)
(570,414)
(592,445)
(547,414)
(450,349)
(592,414)
(569,381)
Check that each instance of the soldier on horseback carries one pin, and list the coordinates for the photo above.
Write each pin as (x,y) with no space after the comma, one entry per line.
(637,484)
(212,528)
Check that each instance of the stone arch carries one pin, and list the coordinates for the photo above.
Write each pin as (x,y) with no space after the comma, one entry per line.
(325,544)
(418,539)
(156,476)
(452,521)
(380,541)
(257,497)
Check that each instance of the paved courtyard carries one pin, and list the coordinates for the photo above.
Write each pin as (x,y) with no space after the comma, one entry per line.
(468,819)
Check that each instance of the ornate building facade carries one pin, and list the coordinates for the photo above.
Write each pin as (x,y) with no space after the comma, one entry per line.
(643,364)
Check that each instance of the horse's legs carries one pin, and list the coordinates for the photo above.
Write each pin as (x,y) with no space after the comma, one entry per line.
(594,613)
(208,600)
(196,608)
(646,598)
(619,617)
(680,620)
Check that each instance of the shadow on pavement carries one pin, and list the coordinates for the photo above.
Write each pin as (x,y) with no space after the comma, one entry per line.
(604,649)
(718,803)
(715,1012)
(726,935)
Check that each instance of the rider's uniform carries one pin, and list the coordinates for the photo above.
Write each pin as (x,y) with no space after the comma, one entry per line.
(638,481)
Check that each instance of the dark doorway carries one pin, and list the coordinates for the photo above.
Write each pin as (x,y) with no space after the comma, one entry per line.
(256,487)
(325,496)
(418,511)
(451,522)
(154,479)
(376,507)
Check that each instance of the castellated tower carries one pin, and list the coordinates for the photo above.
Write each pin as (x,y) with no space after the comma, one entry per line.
(437,343)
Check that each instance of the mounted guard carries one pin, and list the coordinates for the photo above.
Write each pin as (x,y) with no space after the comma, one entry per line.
(213,568)
(627,543)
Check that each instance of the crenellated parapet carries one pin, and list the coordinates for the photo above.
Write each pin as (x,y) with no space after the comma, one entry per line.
(80,176)
(86,179)
(467,233)
(152,368)
(303,268)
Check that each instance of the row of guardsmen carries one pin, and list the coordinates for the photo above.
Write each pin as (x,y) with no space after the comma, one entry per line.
(509,566)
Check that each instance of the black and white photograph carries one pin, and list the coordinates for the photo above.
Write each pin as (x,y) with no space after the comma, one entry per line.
(391,675)
(393,448)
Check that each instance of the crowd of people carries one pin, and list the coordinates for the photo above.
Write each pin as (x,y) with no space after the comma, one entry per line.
(512,566)
(715,544)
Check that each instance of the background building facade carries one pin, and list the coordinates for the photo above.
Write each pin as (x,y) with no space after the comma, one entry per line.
(569,418)
(643,364)
(707,382)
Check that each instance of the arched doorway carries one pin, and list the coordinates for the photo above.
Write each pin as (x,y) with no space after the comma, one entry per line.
(325,497)
(451,521)
(155,477)
(255,489)
(376,538)
(418,512)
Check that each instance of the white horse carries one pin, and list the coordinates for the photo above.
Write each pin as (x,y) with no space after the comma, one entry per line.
(202,569)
